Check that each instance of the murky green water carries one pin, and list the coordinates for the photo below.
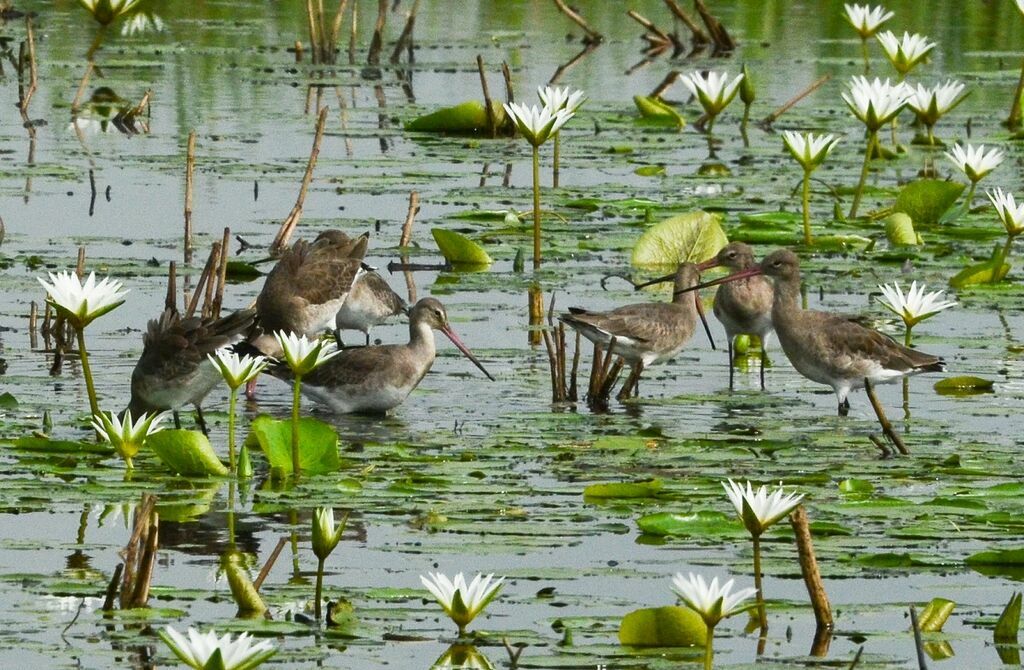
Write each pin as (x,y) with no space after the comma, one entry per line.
(502,492)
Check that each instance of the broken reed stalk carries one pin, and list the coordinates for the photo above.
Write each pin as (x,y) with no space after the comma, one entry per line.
(610,377)
(774,116)
(190,166)
(593,37)
(80,264)
(491,123)
(353,32)
(143,104)
(203,278)
(656,34)
(809,569)
(549,346)
(883,420)
(140,594)
(211,281)
(25,95)
(77,102)
(573,393)
(33,320)
(1013,121)
(410,219)
(171,299)
(719,35)
(111,592)
(506,73)
(405,39)
(288,226)
(131,554)
(560,350)
(332,43)
(700,38)
(595,371)
(222,273)
(377,42)
(918,642)
(260,578)
(314,37)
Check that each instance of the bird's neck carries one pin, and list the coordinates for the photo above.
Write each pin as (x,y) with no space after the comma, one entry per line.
(421,337)
(786,303)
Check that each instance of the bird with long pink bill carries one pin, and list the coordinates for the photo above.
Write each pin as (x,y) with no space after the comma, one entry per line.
(376,379)
(648,333)
(830,348)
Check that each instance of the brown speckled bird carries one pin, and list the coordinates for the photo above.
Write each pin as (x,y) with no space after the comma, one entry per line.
(645,333)
(830,348)
(375,379)
(744,306)
(173,370)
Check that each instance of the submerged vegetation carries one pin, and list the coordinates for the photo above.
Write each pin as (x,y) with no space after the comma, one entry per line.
(579,534)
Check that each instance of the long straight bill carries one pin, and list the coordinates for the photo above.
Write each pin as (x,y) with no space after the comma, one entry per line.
(742,274)
(704,319)
(465,350)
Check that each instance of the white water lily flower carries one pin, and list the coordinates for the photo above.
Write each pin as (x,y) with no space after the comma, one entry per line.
(537,124)
(906,52)
(142,23)
(915,306)
(711,601)
(715,91)
(105,11)
(236,369)
(461,602)
(809,149)
(556,98)
(82,303)
(929,104)
(303,355)
(1010,213)
(1020,6)
(975,162)
(326,534)
(125,435)
(462,657)
(204,651)
(866,19)
(876,102)
(757,509)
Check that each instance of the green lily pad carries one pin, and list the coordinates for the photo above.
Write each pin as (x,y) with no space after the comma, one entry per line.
(701,524)
(669,626)
(963,385)
(467,118)
(645,489)
(926,200)
(186,452)
(8,401)
(934,616)
(856,487)
(694,236)
(899,230)
(459,249)
(46,445)
(242,271)
(980,273)
(1003,557)
(654,110)
(250,603)
(1009,622)
(318,444)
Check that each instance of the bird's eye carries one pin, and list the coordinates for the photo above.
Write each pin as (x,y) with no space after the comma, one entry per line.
(777,263)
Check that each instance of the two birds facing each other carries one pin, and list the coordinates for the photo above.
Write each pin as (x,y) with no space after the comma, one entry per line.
(315,287)
(757,299)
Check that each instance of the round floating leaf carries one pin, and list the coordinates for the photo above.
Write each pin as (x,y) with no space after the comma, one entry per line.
(856,487)
(467,118)
(318,444)
(650,171)
(694,236)
(241,271)
(899,229)
(926,200)
(658,112)
(662,627)
(963,385)
(1007,557)
(459,249)
(699,524)
(186,452)
(645,489)
(8,401)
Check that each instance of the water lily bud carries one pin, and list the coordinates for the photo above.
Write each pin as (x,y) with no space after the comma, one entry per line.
(746,87)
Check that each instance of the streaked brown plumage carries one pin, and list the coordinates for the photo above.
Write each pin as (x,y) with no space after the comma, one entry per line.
(307,287)
(744,306)
(645,333)
(371,301)
(830,348)
(173,370)
(375,379)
